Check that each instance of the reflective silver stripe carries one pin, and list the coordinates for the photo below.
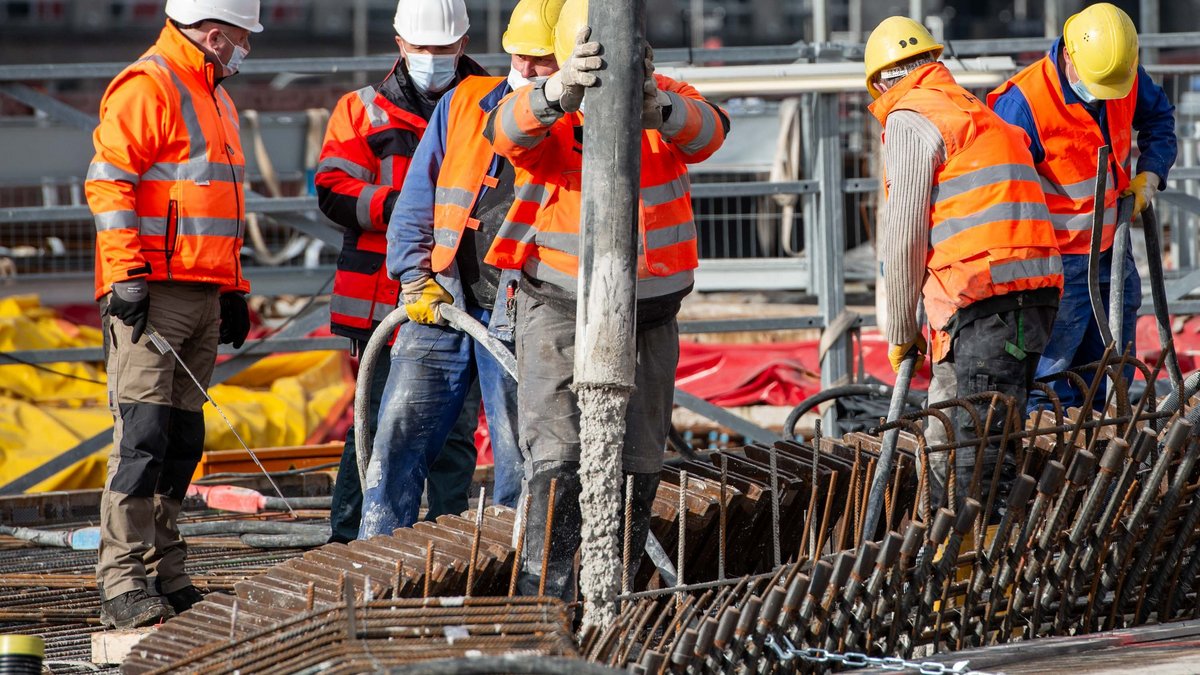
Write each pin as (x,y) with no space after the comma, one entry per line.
(197,141)
(519,232)
(230,111)
(190,226)
(380,312)
(459,197)
(106,171)
(532,192)
(994,213)
(375,114)
(669,236)
(1026,269)
(653,287)
(352,169)
(508,122)
(116,220)
(385,171)
(1081,190)
(196,171)
(543,272)
(708,127)
(988,175)
(445,237)
(657,195)
(678,118)
(1080,221)
(362,208)
(565,242)
(354,307)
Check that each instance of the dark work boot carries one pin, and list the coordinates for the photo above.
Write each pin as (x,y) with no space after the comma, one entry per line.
(182,599)
(565,535)
(133,609)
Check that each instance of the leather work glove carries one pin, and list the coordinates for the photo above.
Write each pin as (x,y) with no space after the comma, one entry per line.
(421,300)
(130,302)
(896,353)
(653,100)
(1143,188)
(566,87)
(235,319)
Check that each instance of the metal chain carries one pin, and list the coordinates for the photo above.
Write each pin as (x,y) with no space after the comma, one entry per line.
(787,652)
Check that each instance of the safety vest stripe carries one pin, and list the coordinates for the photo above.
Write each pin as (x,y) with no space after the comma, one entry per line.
(1080,221)
(565,242)
(362,208)
(1004,211)
(674,124)
(1033,268)
(708,127)
(107,171)
(510,127)
(445,237)
(197,141)
(657,195)
(386,172)
(654,287)
(357,308)
(1081,190)
(376,115)
(452,196)
(230,113)
(518,233)
(352,169)
(116,220)
(669,236)
(191,226)
(988,175)
(532,192)
(195,171)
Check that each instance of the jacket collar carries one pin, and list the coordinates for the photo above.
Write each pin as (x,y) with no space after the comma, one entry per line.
(174,46)
(930,73)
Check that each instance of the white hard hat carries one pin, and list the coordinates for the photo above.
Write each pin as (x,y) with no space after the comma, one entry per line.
(431,22)
(240,13)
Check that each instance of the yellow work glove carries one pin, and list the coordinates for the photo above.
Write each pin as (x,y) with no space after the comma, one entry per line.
(421,300)
(1142,187)
(896,353)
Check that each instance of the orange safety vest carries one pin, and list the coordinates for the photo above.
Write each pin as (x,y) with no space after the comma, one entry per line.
(165,184)
(989,232)
(541,232)
(459,181)
(1070,137)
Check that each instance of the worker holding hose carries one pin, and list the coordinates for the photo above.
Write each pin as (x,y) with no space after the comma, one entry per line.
(455,196)
(538,128)
(165,188)
(369,145)
(1087,92)
(965,228)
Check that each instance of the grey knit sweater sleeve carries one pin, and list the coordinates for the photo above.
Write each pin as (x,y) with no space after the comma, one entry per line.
(912,152)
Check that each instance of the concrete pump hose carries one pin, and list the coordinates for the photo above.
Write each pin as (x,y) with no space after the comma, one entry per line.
(1171,403)
(457,319)
(508,663)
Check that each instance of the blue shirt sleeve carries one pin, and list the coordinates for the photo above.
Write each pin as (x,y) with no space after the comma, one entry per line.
(1013,108)
(410,231)
(1154,121)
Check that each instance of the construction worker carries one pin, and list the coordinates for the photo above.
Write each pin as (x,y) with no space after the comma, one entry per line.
(165,187)
(1087,92)
(369,144)
(537,128)
(456,194)
(965,228)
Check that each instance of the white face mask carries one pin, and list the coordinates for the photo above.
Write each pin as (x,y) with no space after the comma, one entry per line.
(432,72)
(516,80)
(235,59)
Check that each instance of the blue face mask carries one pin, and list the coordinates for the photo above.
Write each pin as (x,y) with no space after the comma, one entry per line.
(432,72)
(1082,92)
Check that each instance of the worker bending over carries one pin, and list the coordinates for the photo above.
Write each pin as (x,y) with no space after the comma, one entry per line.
(369,144)
(165,187)
(1087,92)
(538,129)
(456,195)
(965,227)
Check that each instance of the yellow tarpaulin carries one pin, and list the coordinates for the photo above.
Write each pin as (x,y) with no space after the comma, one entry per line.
(47,410)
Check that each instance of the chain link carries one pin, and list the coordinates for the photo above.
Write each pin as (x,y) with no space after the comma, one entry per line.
(787,651)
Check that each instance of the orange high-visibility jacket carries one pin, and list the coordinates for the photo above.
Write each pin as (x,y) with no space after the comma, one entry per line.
(989,229)
(1071,137)
(460,181)
(541,233)
(165,185)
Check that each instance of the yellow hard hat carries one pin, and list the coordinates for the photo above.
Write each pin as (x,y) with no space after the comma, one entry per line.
(531,27)
(896,39)
(572,17)
(1102,42)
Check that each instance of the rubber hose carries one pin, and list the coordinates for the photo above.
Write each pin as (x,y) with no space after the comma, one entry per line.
(510,663)
(789,426)
(278,504)
(250,527)
(1171,403)
(1158,293)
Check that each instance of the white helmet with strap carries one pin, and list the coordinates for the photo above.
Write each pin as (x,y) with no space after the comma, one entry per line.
(431,22)
(240,13)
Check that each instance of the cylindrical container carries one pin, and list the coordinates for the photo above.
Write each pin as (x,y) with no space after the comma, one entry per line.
(21,655)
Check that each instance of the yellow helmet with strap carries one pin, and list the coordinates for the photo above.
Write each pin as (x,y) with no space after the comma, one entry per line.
(574,15)
(896,39)
(531,28)
(1102,43)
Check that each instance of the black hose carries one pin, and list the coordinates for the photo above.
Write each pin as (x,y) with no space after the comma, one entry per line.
(1158,292)
(880,390)
(520,664)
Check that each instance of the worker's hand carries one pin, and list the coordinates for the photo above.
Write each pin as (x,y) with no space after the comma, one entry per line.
(566,87)
(130,302)
(1143,188)
(235,319)
(896,353)
(653,99)
(421,300)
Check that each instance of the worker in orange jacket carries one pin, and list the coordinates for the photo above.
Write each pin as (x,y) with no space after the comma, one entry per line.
(369,144)
(165,187)
(965,227)
(537,128)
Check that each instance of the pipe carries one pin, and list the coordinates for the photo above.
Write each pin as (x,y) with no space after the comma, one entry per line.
(1116,287)
(789,426)
(883,469)
(1159,293)
(1098,203)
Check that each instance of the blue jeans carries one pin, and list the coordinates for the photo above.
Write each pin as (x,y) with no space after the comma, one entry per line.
(432,369)
(1075,339)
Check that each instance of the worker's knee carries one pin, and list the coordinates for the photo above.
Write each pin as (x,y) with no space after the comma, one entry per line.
(185,443)
(142,442)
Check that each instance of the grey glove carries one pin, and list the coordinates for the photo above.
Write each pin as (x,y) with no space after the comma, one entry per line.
(653,99)
(566,87)
(130,302)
